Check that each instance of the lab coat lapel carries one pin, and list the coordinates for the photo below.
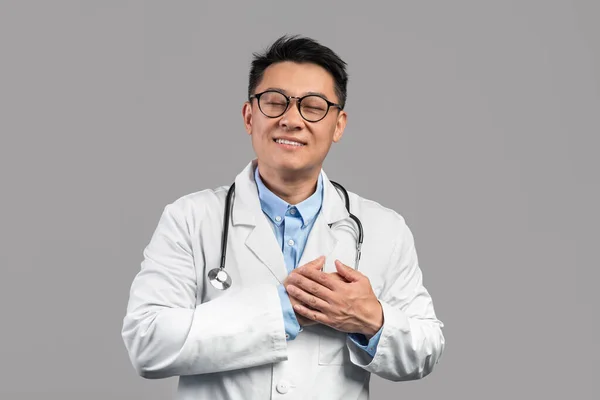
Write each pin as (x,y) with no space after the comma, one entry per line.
(321,240)
(263,243)
(247,211)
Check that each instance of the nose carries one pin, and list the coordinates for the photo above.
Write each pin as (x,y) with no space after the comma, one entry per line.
(291,119)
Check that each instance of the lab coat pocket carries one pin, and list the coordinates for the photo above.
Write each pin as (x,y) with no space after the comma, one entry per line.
(332,347)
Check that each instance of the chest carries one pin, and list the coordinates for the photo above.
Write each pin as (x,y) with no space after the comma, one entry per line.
(254,253)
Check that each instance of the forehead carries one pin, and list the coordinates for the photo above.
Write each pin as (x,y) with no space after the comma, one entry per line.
(298,78)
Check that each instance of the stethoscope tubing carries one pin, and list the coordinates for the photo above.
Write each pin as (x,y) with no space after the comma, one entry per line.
(215,275)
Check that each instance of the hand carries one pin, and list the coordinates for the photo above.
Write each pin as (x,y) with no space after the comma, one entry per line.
(344,300)
(317,265)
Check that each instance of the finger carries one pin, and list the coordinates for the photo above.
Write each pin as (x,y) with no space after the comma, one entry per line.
(317,263)
(302,321)
(337,277)
(308,299)
(320,277)
(313,315)
(348,273)
(308,280)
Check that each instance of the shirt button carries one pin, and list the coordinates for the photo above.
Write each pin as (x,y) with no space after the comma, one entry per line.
(287,336)
(282,387)
(278,218)
(293,211)
(291,242)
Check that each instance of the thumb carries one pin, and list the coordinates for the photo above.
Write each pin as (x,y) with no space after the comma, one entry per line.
(348,273)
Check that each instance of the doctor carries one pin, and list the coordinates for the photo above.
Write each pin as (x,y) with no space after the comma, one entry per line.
(299,321)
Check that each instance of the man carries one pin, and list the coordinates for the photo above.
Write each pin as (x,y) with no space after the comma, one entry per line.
(299,321)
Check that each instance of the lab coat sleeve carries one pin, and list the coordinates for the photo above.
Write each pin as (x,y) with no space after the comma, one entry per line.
(370,346)
(166,334)
(411,340)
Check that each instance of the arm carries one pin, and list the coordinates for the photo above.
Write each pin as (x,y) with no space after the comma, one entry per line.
(167,334)
(411,340)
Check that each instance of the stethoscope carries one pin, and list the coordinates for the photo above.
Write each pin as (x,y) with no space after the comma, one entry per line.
(221,280)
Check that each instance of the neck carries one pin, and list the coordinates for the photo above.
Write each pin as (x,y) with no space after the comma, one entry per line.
(292,188)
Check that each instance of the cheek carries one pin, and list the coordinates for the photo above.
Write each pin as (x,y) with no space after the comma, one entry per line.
(325,136)
(262,127)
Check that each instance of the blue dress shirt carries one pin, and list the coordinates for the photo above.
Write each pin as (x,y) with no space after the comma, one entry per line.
(291,225)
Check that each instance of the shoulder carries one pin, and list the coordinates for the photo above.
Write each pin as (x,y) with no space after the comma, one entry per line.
(379,217)
(195,205)
(372,208)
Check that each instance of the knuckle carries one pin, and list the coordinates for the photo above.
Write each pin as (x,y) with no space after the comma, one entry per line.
(348,309)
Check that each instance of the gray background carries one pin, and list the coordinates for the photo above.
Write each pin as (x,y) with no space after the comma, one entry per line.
(478,121)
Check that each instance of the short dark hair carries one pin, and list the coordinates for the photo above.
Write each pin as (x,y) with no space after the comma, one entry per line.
(301,50)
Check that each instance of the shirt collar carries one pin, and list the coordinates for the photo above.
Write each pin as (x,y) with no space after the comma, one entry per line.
(274,206)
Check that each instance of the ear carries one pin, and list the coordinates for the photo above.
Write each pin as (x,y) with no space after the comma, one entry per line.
(340,125)
(247,116)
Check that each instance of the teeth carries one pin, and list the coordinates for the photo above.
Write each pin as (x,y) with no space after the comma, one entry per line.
(283,141)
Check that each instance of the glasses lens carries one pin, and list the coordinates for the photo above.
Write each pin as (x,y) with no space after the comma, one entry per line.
(273,104)
(313,108)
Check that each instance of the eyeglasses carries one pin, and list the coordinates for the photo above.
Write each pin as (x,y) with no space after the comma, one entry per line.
(312,107)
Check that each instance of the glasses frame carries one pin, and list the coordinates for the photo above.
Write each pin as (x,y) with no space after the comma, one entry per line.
(298,102)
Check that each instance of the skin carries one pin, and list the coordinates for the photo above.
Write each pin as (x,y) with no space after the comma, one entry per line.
(344,300)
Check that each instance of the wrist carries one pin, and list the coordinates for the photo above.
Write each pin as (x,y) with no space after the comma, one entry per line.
(375,323)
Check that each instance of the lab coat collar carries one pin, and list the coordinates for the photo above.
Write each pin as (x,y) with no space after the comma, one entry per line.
(246,204)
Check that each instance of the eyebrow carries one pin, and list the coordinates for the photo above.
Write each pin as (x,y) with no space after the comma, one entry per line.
(305,94)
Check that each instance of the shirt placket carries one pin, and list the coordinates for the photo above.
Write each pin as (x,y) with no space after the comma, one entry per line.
(291,237)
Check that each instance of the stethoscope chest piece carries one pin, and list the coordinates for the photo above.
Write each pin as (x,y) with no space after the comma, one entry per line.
(219,278)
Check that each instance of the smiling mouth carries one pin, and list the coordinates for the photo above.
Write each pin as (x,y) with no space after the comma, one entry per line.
(288,142)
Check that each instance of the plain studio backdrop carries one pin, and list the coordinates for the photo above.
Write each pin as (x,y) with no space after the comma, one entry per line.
(478,121)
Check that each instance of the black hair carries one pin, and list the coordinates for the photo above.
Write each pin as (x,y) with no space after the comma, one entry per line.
(301,50)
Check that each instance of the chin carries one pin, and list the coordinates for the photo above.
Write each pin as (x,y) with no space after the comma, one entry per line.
(290,165)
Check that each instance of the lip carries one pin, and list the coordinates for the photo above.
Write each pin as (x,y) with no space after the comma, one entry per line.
(289,147)
(291,139)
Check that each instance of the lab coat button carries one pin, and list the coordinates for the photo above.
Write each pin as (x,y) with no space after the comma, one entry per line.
(283,387)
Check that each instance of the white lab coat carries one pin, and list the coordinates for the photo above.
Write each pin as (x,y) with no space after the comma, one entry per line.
(231,344)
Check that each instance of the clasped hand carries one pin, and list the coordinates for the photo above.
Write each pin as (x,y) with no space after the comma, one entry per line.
(344,300)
